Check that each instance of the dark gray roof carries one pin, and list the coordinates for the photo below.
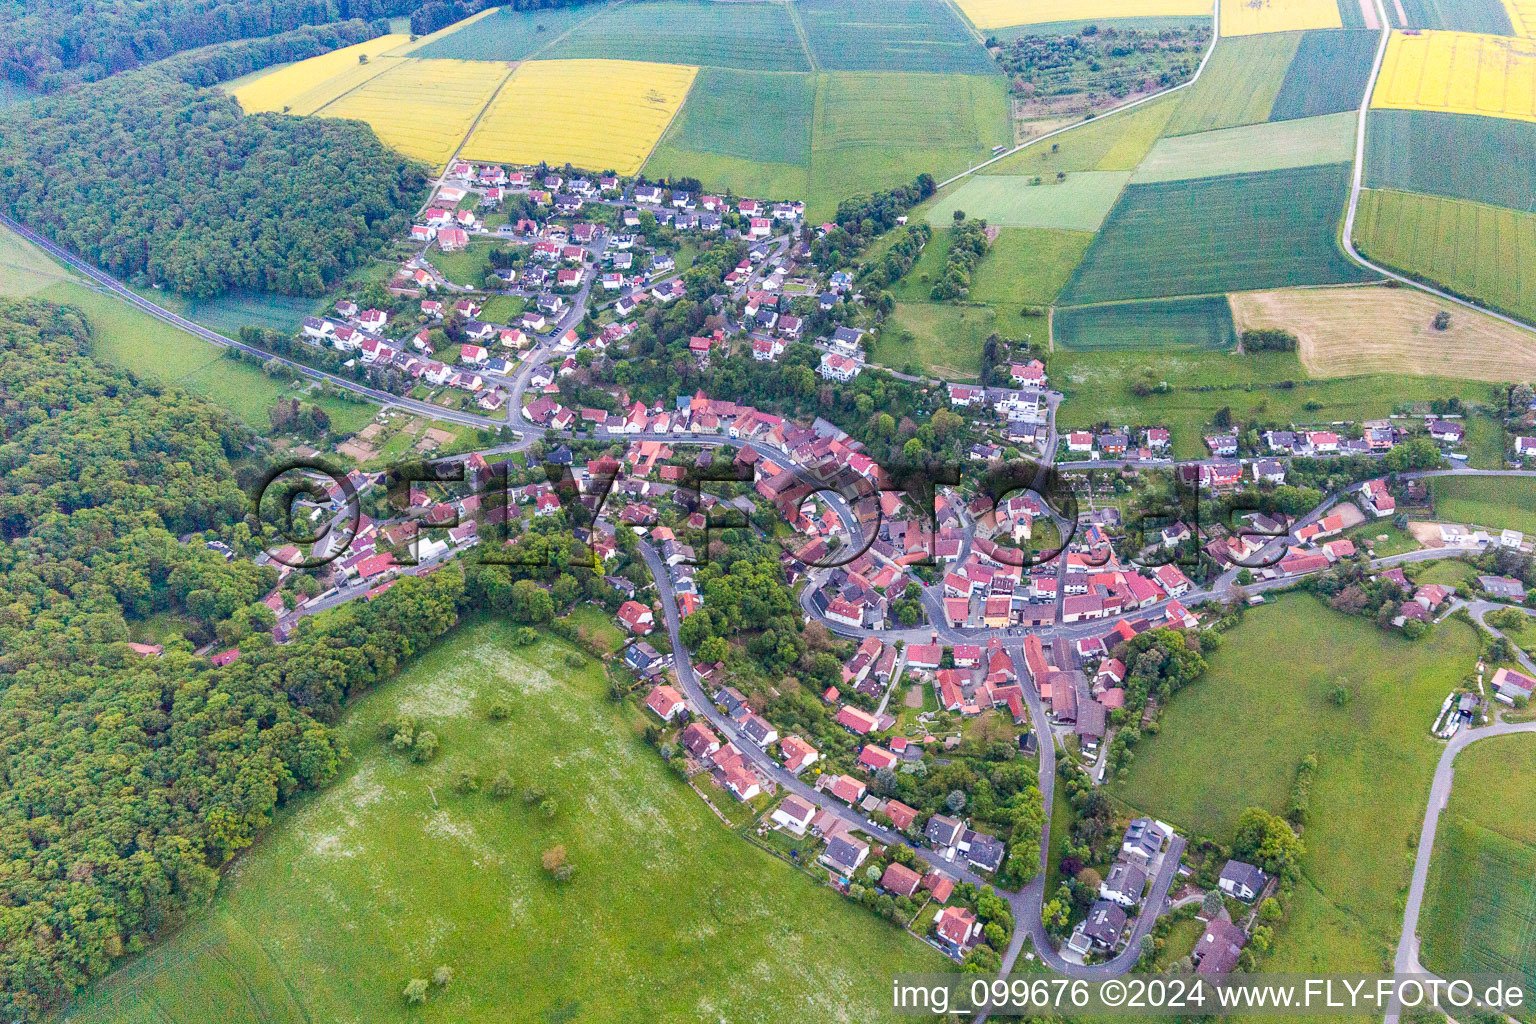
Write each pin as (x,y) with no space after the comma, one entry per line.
(1125,877)
(843,854)
(1104,923)
(942,830)
(985,852)
(1241,873)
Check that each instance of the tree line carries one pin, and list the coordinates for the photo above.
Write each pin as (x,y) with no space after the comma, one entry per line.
(162,183)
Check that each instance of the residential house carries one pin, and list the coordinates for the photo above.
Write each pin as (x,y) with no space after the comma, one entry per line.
(1242,880)
(1218,949)
(956,929)
(844,854)
(1143,840)
(1124,884)
(666,702)
(794,815)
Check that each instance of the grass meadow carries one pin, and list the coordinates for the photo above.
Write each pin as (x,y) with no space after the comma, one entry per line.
(1234,738)
(126,337)
(1375,329)
(24,268)
(1079,202)
(1027,266)
(1243,231)
(945,339)
(1269,146)
(1480,904)
(1499,503)
(1484,252)
(1270,386)
(390,873)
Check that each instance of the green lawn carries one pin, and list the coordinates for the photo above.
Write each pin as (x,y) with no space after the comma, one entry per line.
(467,266)
(503,309)
(1480,904)
(1234,738)
(1385,538)
(1448,572)
(1080,202)
(127,337)
(1498,503)
(390,873)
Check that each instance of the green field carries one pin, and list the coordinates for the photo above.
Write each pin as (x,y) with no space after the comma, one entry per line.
(1234,738)
(232,310)
(1270,146)
(1498,503)
(913,111)
(1078,203)
(379,879)
(1483,252)
(1480,904)
(756,116)
(826,137)
(752,36)
(1484,159)
(1270,386)
(508,34)
(1115,142)
(946,339)
(1027,266)
(1204,323)
(1328,74)
(890,35)
(129,338)
(1271,229)
(1239,84)
(1073,28)
(1488,16)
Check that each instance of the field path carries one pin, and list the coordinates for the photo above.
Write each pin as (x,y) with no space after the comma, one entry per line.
(1407,961)
(805,40)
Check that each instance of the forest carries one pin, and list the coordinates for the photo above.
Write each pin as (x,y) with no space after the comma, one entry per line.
(162,183)
(129,779)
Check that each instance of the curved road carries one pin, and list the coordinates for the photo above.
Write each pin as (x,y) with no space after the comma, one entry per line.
(1407,961)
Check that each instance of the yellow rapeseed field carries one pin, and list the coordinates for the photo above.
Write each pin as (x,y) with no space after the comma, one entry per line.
(1248,17)
(595,114)
(1460,73)
(423,108)
(1522,15)
(1003,13)
(305,87)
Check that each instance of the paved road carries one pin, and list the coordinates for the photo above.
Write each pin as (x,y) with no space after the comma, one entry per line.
(1407,961)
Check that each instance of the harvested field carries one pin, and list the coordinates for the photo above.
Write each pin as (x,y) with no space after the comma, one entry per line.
(1342,332)
(1459,73)
(596,114)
